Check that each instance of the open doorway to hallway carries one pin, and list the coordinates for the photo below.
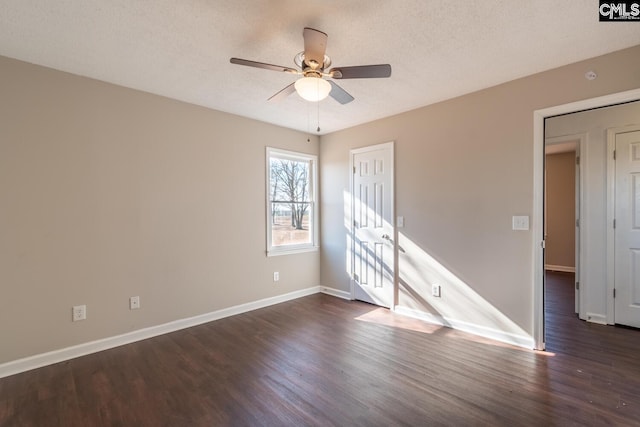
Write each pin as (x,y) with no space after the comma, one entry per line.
(599,204)
(562,207)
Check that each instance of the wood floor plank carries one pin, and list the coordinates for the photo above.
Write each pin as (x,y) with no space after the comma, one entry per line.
(323,361)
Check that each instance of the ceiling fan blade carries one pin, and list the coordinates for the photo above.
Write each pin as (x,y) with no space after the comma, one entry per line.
(361,72)
(263,65)
(339,94)
(315,46)
(283,93)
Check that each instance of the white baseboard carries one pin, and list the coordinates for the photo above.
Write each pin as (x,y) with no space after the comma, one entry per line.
(483,331)
(335,292)
(596,318)
(561,268)
(56,356)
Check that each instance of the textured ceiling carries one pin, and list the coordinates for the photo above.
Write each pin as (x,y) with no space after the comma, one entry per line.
(181,48)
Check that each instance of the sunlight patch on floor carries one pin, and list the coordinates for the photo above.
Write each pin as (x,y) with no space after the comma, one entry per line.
(383,316)
(455,334)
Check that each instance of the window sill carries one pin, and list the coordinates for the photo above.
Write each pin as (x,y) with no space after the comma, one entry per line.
(291,251)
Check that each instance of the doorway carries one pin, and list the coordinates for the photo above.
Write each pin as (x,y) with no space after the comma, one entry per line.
(562,207)
(538,241)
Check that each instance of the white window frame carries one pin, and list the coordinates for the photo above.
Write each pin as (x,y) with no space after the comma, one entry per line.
(313,210)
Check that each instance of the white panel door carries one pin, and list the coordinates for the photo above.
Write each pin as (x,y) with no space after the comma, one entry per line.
(373,246)
(627,229)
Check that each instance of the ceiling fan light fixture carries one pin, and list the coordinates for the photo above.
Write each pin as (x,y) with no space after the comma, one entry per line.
(313,89)
(312,63)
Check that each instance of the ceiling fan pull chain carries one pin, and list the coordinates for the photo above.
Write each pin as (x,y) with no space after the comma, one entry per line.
(308,118)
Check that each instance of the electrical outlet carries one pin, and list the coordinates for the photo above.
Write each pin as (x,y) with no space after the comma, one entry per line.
(276,276)
(79,312)
(134,303)
(435,290)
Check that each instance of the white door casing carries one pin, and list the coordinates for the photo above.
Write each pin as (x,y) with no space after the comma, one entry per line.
(578,201)
(373,246)
(627,229)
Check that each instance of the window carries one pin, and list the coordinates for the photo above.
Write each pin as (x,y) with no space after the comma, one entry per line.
(291,202)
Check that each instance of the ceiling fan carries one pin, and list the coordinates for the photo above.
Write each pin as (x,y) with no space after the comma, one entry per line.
(312,63)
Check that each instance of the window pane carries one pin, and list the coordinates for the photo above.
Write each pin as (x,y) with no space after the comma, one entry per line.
(289,180)
(290,224)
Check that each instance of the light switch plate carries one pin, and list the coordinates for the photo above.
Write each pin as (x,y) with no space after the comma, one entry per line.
(520,222)
(400,222)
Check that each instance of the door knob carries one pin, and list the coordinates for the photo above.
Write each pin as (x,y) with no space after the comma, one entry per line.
(387,237)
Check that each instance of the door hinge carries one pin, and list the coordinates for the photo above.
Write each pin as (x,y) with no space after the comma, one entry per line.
(542,244)
(354,170)
(354,223)
(577,286)
(614,292)
(614,154)
(578,222)
(614,223)
(577,160)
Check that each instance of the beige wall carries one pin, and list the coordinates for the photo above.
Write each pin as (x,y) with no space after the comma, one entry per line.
(463,168)
(106,193)
(560,209)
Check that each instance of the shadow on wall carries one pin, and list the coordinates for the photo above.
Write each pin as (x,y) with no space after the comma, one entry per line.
(459,306)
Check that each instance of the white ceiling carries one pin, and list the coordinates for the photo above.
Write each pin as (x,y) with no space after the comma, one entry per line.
(181,48)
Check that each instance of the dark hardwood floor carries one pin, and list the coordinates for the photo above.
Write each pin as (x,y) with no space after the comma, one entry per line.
(323,361)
